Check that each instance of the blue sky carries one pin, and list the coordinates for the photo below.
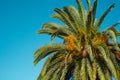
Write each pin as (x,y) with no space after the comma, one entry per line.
(19,22)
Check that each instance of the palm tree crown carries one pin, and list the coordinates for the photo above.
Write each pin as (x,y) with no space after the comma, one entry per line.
(86,53)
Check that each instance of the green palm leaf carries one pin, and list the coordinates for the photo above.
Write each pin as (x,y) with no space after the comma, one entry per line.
(108,61)
(45,67)
(100,73)
(76,73)
(103,16)
(94,64)
(90,51)
(89,5)
(83,70)
(66,19)
(57,73)
(46,50)
(81,12)
(73,16)
(89,69)
(65,69)
(94,11)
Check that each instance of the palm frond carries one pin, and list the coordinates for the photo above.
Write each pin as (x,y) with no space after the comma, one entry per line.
(54,30)
(73,16)
(94,64)
(94,11)
(64,72)
(81,12)
(65,69)
(46,50)
(103,16)
(53,33)
(57,73)
(107,74)
(90,52)
(91,16)
(89,69)
(89,21)
(45,67)
(112,56)
(66,19)
(50,73)
(83,70)
(46,31)
(76,73)
(55,62)
(108,61)
(55,26)
(114,25)
(89,5)
(100,73)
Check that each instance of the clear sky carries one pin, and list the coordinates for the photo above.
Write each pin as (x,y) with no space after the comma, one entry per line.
(19,22)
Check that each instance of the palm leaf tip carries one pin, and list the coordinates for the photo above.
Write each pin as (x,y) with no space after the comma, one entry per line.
(35,63)
(112,6)
(104,15)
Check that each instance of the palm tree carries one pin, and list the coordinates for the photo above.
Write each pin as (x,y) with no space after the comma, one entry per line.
(86,53)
